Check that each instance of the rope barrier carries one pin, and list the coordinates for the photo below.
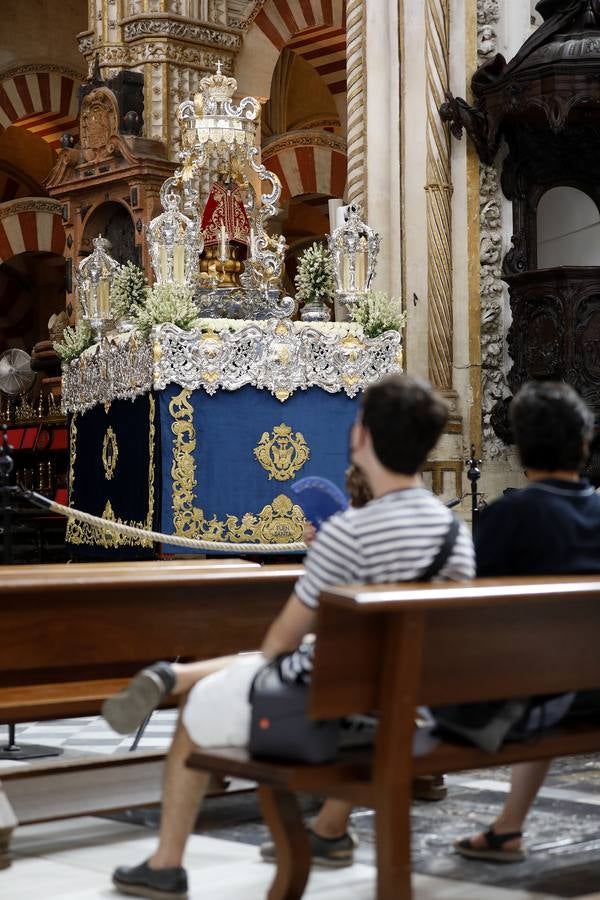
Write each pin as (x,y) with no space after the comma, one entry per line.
(159,537)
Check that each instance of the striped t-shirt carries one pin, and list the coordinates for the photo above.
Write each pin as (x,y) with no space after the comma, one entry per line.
(393,538)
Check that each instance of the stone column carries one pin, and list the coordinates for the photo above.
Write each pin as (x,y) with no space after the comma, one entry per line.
(381,179)
(356,97)
(439,196)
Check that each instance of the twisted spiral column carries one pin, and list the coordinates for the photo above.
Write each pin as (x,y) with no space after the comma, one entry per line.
(439,196)
(356,100)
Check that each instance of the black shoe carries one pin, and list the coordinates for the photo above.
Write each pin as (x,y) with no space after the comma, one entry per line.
(331,853)
(429,787)
(156,884)
(129,709)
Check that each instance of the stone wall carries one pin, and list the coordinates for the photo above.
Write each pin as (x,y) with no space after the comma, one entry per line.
(42,31)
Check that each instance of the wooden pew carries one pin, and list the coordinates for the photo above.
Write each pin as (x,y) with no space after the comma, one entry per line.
(392,648)
(71,635)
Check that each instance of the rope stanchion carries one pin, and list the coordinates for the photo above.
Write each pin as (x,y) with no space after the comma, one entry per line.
(157,536)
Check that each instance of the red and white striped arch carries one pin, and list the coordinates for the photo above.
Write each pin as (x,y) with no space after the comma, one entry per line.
(325,49)
(307,164)
(315,29)
(44,102)
(29,225)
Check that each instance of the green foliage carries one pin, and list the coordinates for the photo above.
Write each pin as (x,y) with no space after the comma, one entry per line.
(128,291)
(74,342)
(315,280)
(172,303)
(377,312)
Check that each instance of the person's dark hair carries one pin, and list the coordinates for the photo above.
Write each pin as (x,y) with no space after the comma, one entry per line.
(552,425)
(405,418)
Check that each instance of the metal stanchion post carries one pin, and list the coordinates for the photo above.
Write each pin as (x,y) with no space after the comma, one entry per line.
(474,474)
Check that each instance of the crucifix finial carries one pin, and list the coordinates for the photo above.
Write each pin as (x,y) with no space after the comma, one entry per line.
(219,66)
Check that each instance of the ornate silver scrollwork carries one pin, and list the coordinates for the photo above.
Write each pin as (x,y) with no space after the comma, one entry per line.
(279,356)
(276,355)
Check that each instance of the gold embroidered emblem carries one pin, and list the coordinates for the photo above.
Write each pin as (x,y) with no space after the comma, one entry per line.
(278,522)
(80,533)
(110,453)
(282,453)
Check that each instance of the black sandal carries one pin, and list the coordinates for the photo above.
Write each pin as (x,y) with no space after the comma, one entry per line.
(494,850)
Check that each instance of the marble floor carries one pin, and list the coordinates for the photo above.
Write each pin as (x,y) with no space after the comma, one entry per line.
(72,860)
(91,734)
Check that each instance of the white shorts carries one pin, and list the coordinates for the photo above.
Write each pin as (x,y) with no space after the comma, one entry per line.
(217,711)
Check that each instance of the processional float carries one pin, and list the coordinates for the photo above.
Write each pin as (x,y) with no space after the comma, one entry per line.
(230,412)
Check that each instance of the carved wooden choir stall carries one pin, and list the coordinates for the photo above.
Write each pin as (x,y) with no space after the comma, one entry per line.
(544,106)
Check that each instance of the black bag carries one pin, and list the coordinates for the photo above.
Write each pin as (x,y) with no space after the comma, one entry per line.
(280,727)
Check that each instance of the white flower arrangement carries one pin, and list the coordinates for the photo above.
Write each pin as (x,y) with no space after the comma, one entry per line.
(315,280)
(75,341)
(377,313)
(129,290)
(172,303)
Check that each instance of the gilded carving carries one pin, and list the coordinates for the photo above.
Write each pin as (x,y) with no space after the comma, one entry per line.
(282,453)
(189,31)
(99,122)
(159,51)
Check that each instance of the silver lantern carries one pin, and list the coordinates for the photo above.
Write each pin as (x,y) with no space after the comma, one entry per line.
(354,248)
(93,278)
(174,241)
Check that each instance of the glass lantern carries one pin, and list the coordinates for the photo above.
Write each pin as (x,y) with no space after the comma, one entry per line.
(174,241)
(94,278)
(354,248)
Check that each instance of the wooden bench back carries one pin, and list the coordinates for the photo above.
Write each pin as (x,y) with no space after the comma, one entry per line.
(66,623)
(480,640)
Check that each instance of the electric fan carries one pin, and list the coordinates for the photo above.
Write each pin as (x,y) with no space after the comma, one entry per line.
(16,375)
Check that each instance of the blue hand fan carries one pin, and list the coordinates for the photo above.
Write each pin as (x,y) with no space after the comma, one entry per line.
(319,498)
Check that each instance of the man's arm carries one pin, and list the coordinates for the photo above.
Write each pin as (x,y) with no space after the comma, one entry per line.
(331,559)
(285,634)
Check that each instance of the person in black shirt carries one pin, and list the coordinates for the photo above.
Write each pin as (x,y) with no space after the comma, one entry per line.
(551,527)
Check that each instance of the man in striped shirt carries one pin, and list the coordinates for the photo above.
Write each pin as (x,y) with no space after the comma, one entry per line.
(395,537)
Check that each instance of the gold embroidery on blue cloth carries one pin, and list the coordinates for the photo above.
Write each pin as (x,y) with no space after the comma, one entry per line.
(282,453)
(94,535)
(110,453)
(278,522)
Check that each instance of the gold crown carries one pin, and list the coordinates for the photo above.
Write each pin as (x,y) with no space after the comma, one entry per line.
(282,430)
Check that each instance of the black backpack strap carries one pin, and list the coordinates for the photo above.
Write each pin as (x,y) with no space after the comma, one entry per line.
(441,557)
